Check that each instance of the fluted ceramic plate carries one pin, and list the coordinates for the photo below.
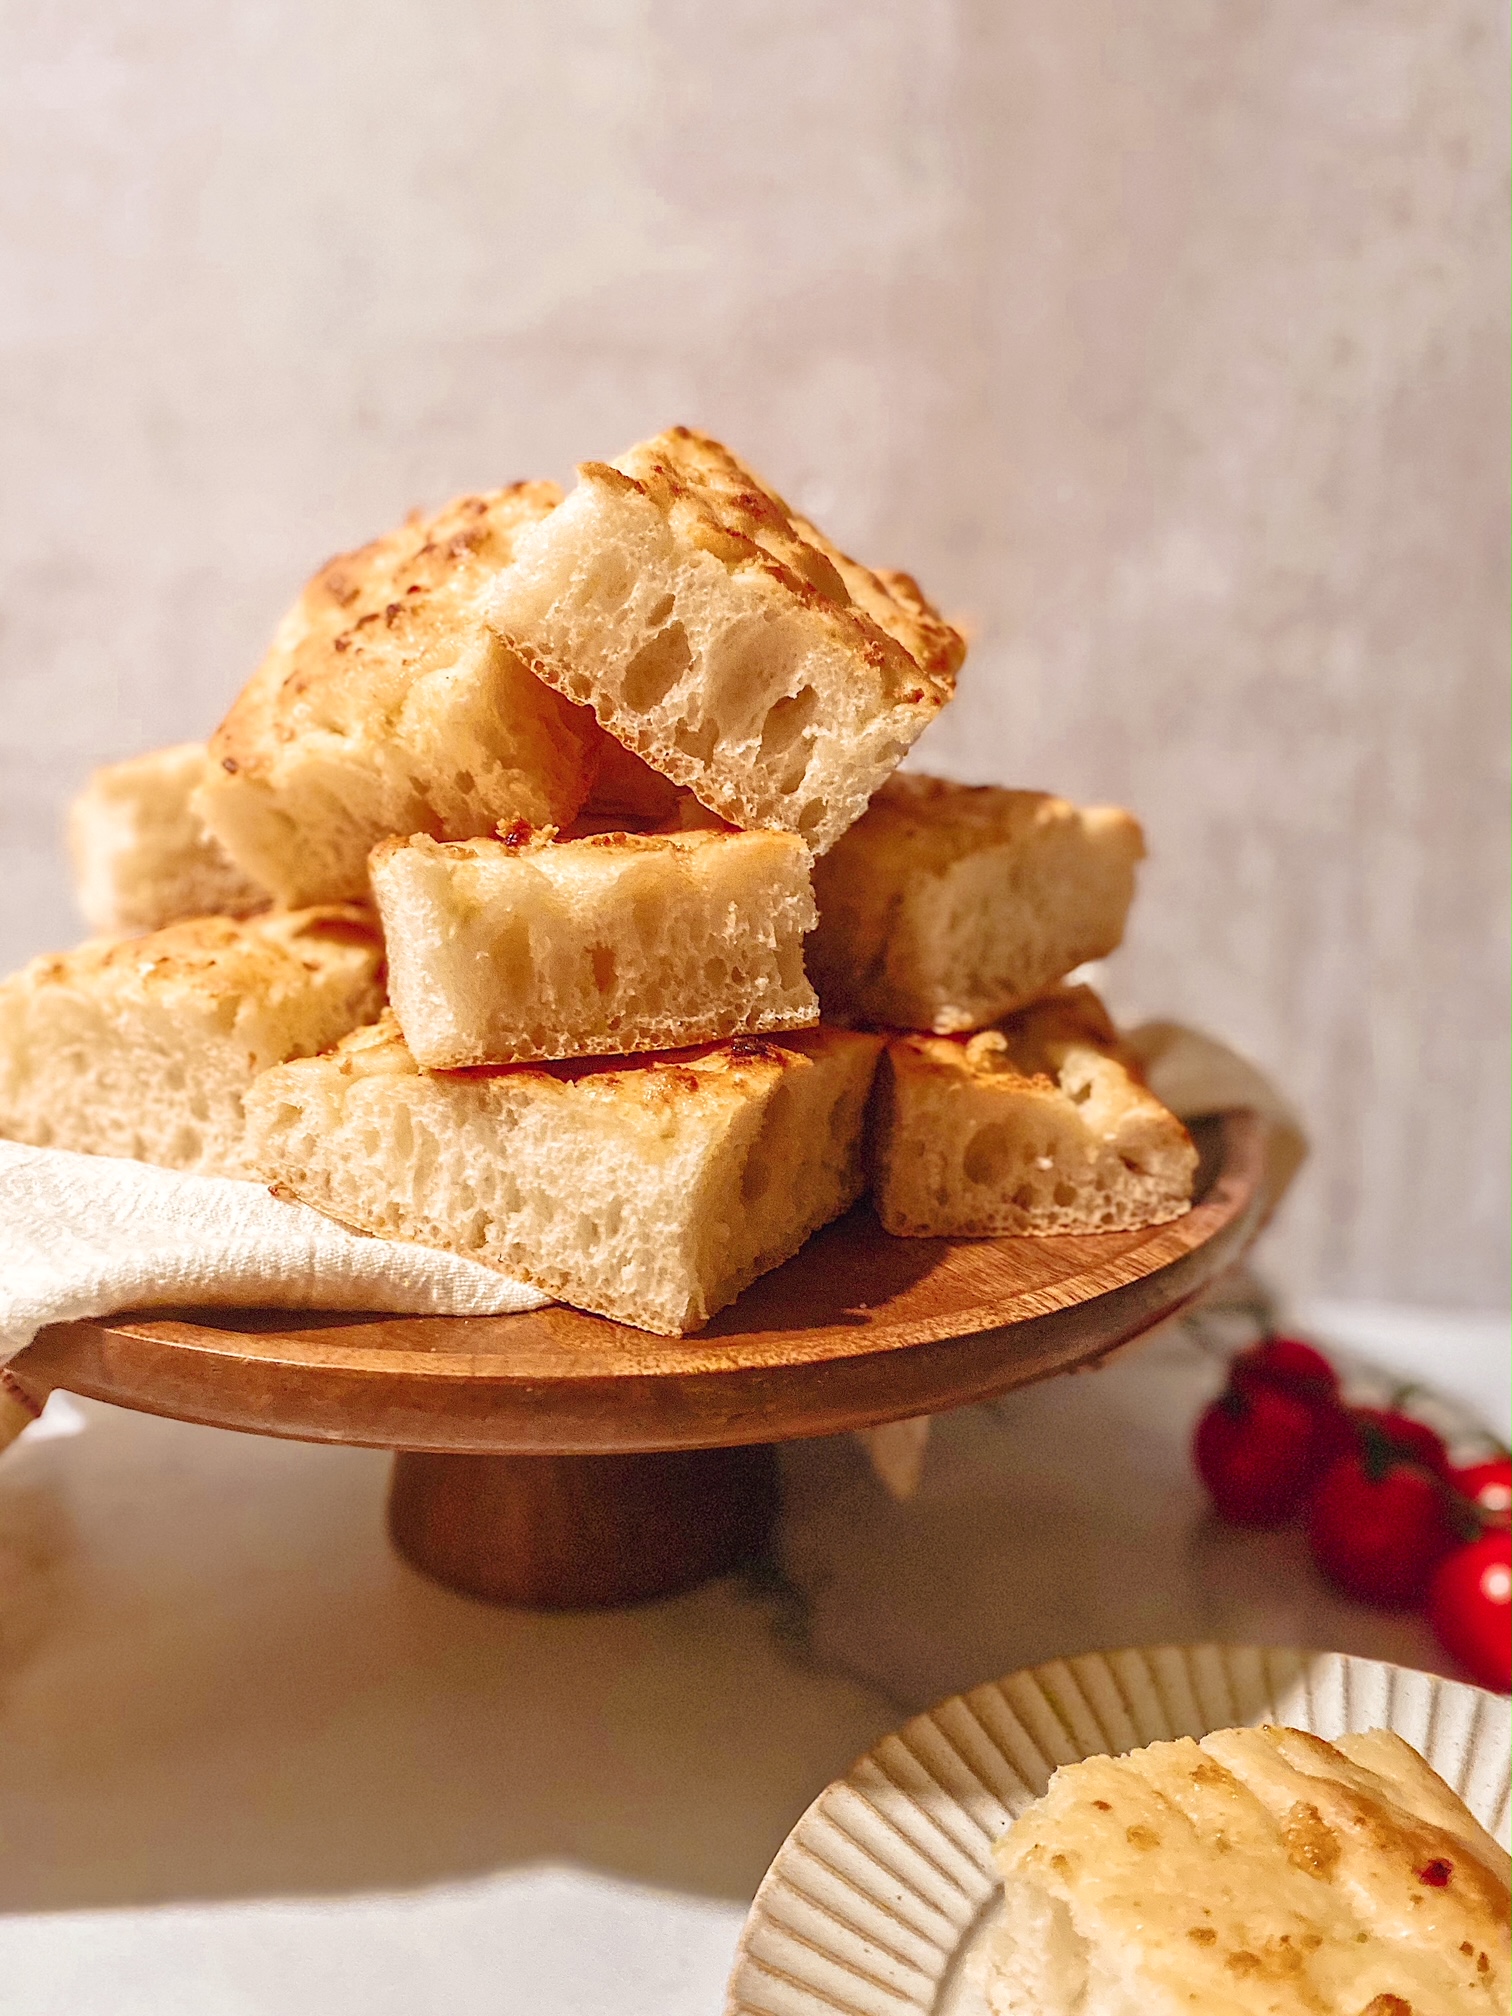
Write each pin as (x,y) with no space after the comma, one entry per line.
(882,1897)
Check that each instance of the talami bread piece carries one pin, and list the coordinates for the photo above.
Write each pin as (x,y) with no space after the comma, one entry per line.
(387,705)
(143,856)
(724,639)
(144,1047)
(502,951)
(650,1190)
(1260,1872)
(946,905)
(1039,1126)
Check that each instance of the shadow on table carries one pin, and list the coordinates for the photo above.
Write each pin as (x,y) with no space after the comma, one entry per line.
(217,1681)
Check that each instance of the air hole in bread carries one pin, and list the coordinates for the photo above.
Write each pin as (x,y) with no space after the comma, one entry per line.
(1066,1195)
(988,1154)
(811,818)
(656,668)
(697,742)
(661,611)
(782,731)
(465,782)
(604,967)
(609,581)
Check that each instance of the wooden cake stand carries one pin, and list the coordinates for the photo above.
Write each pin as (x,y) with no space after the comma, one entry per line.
(562,1461)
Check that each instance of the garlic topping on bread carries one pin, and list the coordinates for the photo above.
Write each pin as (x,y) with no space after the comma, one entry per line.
(725,639)
(649,1189)
(146,1047)
(386,705)
(948,905)
(1041,1125)
(1260,1872)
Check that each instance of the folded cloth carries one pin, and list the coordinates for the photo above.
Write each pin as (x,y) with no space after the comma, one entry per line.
(83,1235)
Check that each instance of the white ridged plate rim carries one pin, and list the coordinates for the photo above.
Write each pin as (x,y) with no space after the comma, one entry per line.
(879,1901)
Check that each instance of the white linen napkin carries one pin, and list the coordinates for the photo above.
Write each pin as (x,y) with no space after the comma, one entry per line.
(83,1235)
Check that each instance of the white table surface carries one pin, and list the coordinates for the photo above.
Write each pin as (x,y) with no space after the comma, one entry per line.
(251,1763)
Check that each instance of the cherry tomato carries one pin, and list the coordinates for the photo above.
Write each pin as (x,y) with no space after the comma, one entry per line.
(1489,1485)
(1378,1529)
(1290,1364)
(1403,1435)
(1470,1608)
(1253,1451)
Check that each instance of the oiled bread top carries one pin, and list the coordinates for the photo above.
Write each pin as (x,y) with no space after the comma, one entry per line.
(707,1075)
(718,504)
(371,621)
(1267,1870)
(925,823)
(215,959)
(1029,1044)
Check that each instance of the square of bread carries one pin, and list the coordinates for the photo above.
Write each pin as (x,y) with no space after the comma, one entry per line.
(651,1190)
(948,905)
(387,705)
(1262,1872)
(504,951)
(724,639)
(1041,1125)
(142,854)
(145,1046)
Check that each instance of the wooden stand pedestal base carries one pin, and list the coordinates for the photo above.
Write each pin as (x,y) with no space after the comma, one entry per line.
(582,1532)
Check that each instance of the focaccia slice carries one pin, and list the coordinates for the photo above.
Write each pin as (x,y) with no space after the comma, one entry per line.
(725,639)
(650,1190)
(1041,1125)
(1261,1872)
(387,705)
(946,906)
(503,951)
(144,1047)
(143,856)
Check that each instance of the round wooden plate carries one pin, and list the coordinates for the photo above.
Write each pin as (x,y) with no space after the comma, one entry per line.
(857,1328)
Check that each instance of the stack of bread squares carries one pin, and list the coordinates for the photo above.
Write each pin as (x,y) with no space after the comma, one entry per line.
(549,896)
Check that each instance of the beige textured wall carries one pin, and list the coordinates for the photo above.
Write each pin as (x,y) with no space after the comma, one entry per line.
(1165,339)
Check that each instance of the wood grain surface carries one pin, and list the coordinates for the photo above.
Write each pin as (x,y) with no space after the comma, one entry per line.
(857,1328)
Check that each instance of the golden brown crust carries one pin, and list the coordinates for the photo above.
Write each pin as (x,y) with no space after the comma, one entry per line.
(1271,1867)
(373,620)
(724,508)
(210,955)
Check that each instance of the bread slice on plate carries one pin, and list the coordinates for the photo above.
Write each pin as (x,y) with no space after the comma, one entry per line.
(1262,1872)
(946,906)
(387,705)
(502,951)
(144,1047)
(651,1190)
(1038,1126)
(142,855)
(725,639)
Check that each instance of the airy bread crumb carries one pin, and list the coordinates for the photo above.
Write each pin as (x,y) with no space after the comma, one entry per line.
(144,1047)
(725,639)
(142,855)
(387,705)
(651,1191)
(503,951)
(947,905)
(1260,1871)
(1040,1126)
